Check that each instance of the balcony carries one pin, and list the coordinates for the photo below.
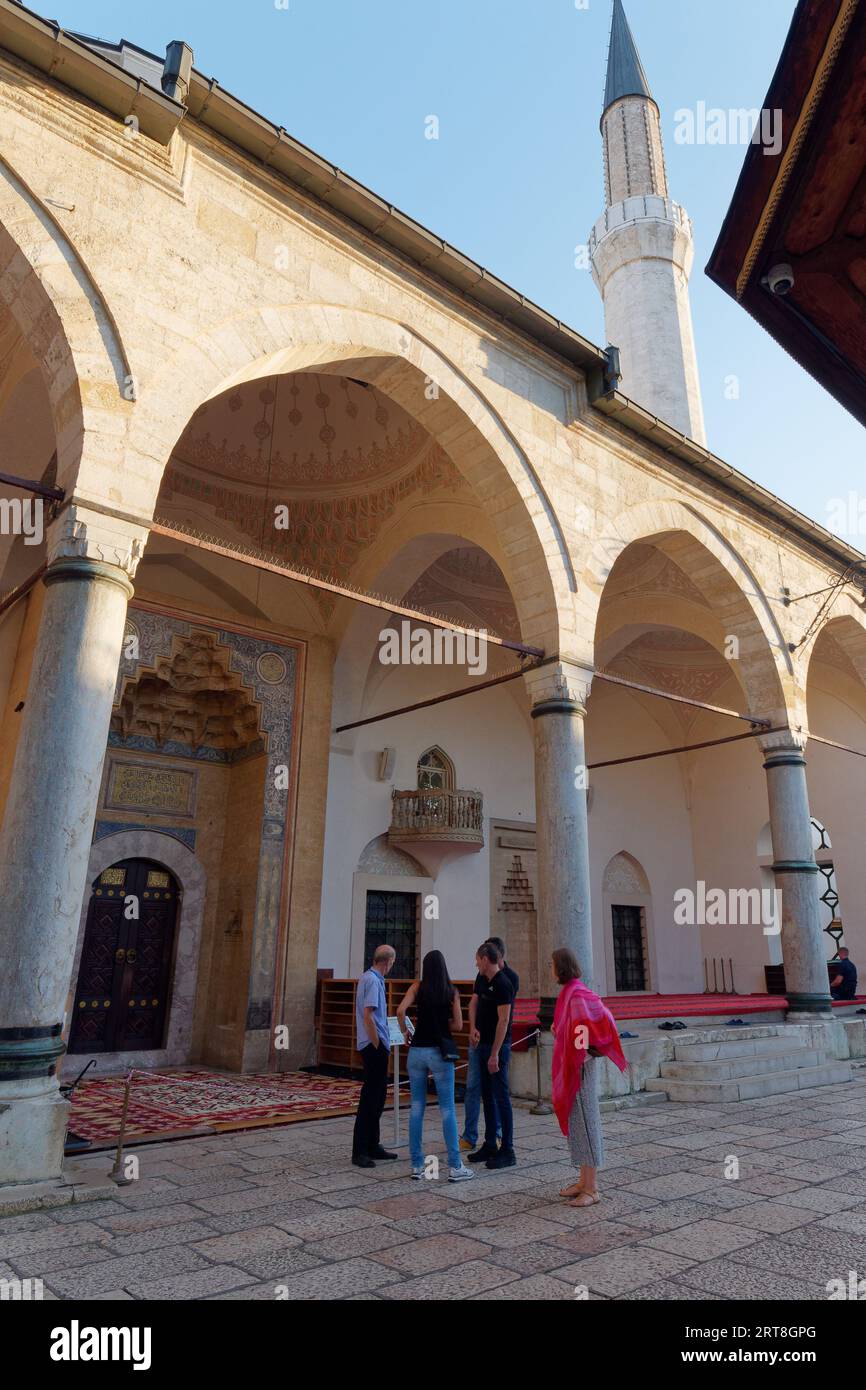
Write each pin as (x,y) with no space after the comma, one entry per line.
(433,817)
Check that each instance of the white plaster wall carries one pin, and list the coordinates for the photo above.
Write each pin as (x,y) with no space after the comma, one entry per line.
(487,736)
(640,808)
(729,811)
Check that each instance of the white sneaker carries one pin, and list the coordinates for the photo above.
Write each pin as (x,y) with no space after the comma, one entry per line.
(417,1174)
(461,1174)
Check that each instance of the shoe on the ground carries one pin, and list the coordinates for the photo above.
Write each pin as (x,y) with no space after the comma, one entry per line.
(362,1161)
(382,1153)
(460,1174)
(465,1146)
(481,1155)
(504,1159)
(417,1174)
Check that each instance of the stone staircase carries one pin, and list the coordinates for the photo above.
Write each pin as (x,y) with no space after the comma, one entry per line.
(726,1064)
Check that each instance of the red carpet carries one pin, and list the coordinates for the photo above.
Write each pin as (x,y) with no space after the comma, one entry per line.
(163,1103)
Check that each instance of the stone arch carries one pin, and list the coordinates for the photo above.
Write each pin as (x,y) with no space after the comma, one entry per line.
(380,857)
(765,668)
(846,624)
(391,566)
(623,873)
(59,308)
(627,894)
(422,379)
(174,855)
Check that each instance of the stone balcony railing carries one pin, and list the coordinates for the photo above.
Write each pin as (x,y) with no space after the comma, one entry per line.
(437,817)
(639,208)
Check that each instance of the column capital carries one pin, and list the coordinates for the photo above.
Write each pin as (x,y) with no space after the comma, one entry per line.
(85,533)
(558,687)
(783,746)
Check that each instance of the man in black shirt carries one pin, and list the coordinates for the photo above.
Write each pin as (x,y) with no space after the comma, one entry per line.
(472,1097)
(493,1021)
(843,976)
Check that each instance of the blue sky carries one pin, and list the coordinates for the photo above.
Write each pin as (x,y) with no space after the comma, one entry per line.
(515,177)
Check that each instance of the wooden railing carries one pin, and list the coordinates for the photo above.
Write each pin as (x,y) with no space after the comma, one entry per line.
(455,816)
(337,1024)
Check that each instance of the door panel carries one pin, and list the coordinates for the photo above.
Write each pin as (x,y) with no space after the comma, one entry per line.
(129,958)
(628,947)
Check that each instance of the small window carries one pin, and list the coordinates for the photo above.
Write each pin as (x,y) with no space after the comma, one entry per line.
(435,771)
(113,876)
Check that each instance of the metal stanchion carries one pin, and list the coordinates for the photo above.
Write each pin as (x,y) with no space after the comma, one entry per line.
(117,1174)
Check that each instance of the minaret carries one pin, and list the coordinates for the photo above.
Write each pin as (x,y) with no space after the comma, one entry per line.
(642,248)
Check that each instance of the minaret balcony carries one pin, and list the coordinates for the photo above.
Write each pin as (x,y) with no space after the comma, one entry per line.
(434,816)
(642,207)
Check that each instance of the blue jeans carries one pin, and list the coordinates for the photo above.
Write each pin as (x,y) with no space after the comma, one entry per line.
(496,1096)
(421,1061)
(472,1100)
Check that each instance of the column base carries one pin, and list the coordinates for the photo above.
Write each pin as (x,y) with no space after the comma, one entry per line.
(77,1183)
(33,1120)
(805,1007)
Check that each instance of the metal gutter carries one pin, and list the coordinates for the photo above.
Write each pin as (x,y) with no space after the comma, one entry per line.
(45,46)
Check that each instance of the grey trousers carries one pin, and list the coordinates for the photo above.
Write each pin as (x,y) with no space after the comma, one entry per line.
(585,1141)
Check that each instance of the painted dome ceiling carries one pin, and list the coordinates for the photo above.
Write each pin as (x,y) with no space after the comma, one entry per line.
(337,454)
(307,432)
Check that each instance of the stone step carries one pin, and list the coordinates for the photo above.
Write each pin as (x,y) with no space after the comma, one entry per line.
(742,1047)
(728,1068)
(703,1033)
(752,1087)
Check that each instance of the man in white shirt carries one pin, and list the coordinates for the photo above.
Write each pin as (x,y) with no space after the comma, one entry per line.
(371,1022)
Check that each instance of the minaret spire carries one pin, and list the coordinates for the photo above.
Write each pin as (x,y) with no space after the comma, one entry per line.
(625,73)
(642,248)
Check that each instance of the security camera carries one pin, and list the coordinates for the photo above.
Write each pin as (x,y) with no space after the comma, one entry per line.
(780,279)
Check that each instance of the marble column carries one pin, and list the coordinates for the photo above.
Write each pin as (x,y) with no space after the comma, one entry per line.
(48,825)
(559,691)
(803,948)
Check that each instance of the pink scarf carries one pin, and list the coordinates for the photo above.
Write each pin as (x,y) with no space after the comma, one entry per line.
(582,1021)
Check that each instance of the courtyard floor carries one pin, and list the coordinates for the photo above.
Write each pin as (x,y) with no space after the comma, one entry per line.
(281,1213)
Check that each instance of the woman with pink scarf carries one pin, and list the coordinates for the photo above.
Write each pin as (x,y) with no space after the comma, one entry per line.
(584,1030)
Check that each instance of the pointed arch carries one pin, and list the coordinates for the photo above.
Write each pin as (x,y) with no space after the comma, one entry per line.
(425,382)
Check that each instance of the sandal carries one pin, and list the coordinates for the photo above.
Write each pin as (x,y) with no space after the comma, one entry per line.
(585,1199)
(573,1190)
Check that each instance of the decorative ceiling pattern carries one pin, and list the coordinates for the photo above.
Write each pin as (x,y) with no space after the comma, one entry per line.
(644,568)
(465,584)
(677,661)
(339,456)
(190,696)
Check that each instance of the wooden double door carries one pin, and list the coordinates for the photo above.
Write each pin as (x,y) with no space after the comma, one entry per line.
(121,997)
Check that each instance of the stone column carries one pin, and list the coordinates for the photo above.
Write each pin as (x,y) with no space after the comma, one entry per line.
(803,953)
(559,691)
(48,825)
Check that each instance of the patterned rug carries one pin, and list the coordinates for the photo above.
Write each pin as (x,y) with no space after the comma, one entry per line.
(163,1103)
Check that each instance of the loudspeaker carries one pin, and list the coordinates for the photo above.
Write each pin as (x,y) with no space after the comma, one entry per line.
(387,759)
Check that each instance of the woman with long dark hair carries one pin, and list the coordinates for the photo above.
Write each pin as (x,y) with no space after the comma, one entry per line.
(432,1051)
(584,1030)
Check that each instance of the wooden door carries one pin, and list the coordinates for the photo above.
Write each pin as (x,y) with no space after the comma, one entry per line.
(121,997)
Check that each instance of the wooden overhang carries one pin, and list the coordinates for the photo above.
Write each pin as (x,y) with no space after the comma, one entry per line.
(805,205)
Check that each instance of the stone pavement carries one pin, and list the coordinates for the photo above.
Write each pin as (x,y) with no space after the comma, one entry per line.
(281,1213)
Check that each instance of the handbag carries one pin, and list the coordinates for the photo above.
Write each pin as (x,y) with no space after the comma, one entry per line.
(448,1048)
